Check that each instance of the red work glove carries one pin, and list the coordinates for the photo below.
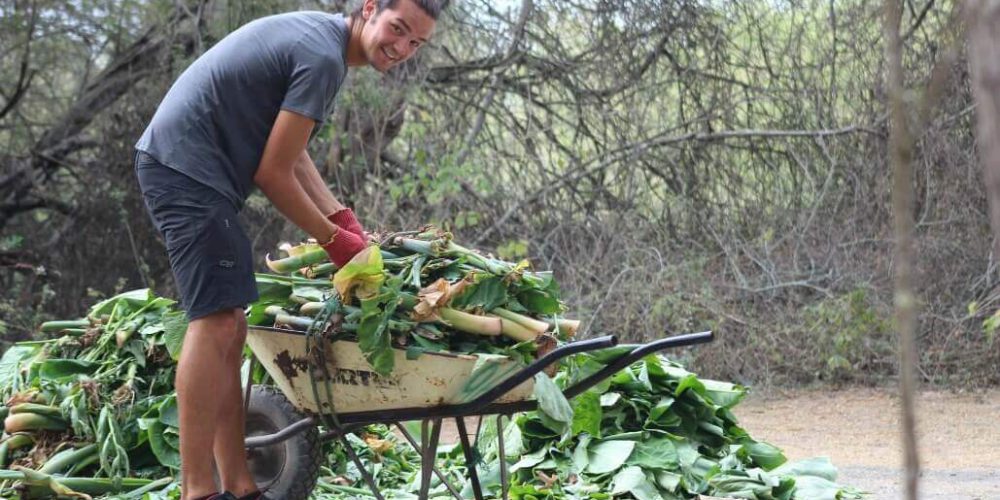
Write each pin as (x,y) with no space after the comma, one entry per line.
(345,218)
(343,246)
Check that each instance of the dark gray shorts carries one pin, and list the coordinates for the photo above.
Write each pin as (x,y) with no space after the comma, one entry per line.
(209,252)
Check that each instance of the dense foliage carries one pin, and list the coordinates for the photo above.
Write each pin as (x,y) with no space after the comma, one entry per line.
(92,412)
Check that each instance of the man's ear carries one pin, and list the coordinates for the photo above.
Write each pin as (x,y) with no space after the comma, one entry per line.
(368,9)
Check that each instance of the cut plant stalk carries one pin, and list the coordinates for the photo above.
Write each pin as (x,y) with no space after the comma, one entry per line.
(282,317)
(14,442)
(292,280)
(48,411)
(306,322)
(569,327)
(58,326)
(139,492)
(296,262)
(41,484)
(21,422)
(515,330)
(525,321)
(307,258)
(471,323)
(62,461)
(315,271)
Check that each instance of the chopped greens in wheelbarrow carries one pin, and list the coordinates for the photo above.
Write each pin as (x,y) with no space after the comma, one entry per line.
(422,292)
(91,412)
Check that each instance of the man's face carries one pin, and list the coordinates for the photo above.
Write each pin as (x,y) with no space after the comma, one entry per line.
(394,34)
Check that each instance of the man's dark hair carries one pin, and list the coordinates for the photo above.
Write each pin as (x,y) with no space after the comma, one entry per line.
(430,7)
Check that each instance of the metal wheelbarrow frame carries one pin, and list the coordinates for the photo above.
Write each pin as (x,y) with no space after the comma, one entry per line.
(496,401)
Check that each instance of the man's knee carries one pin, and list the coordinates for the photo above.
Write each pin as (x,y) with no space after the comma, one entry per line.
(223,331)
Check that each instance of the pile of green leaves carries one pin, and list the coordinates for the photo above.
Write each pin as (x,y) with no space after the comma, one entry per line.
(654,431)
(92,412)
(96,402)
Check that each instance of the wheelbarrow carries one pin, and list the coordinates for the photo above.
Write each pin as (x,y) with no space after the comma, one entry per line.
(282,424)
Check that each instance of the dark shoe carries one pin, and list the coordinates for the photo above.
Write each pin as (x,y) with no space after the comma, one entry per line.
(257,495)
(225,495)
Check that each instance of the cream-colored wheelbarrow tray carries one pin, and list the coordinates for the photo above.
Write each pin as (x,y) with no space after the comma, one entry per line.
(283,437)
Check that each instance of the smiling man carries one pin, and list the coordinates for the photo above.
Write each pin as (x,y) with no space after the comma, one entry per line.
(240,116)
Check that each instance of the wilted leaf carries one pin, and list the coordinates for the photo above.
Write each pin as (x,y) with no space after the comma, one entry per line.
(362,276)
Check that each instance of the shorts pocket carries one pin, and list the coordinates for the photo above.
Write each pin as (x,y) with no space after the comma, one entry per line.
(221,238)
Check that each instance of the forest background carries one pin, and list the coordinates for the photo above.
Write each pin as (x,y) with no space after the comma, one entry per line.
(681,165)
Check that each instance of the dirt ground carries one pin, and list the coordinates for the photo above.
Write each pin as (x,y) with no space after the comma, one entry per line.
(958,438)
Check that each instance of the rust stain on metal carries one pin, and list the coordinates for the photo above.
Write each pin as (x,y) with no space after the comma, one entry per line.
(290,367)
(346,376)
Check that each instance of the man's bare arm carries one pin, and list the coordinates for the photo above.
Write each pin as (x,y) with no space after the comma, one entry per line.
(276,176)
(314,185)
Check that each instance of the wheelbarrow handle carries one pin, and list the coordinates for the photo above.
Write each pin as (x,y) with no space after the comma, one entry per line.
(535,367)
(638,352)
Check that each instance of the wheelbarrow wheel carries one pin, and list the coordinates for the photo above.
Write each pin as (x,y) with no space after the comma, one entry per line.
(289,469)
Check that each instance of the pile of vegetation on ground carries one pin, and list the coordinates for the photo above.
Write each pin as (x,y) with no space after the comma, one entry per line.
(92,412)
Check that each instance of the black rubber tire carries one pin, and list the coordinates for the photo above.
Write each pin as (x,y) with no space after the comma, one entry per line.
(287,470)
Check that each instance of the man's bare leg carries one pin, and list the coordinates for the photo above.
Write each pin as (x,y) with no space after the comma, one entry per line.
(230,447)
(206,343)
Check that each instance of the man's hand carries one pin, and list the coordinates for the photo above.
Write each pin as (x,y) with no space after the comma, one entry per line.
(345,218)
(343,246)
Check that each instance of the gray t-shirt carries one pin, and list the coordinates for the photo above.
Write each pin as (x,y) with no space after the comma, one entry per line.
(215,120)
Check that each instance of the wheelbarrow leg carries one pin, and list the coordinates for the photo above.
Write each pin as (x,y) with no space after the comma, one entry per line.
(504,483)
(416,446)
(470,458)
(361,467)
(429,442)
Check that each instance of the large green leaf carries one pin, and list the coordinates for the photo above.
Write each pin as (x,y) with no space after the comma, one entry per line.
(10,363)
(740,484)
(817,467)
(311,293)
(608,456)
(764,455)
(175,325)
(134,298)
(529,460)
(270,289)
(486,292)
(374,337)
(540,302)
(633,480)
(551,400)
(723,394)
(168,413)
(166,452)
(587,413)
(655,453)
(65,370)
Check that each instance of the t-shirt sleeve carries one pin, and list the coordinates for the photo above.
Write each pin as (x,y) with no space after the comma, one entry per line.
(314,79)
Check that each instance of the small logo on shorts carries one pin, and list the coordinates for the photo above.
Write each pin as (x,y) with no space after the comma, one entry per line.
(227,263)
(227,222)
